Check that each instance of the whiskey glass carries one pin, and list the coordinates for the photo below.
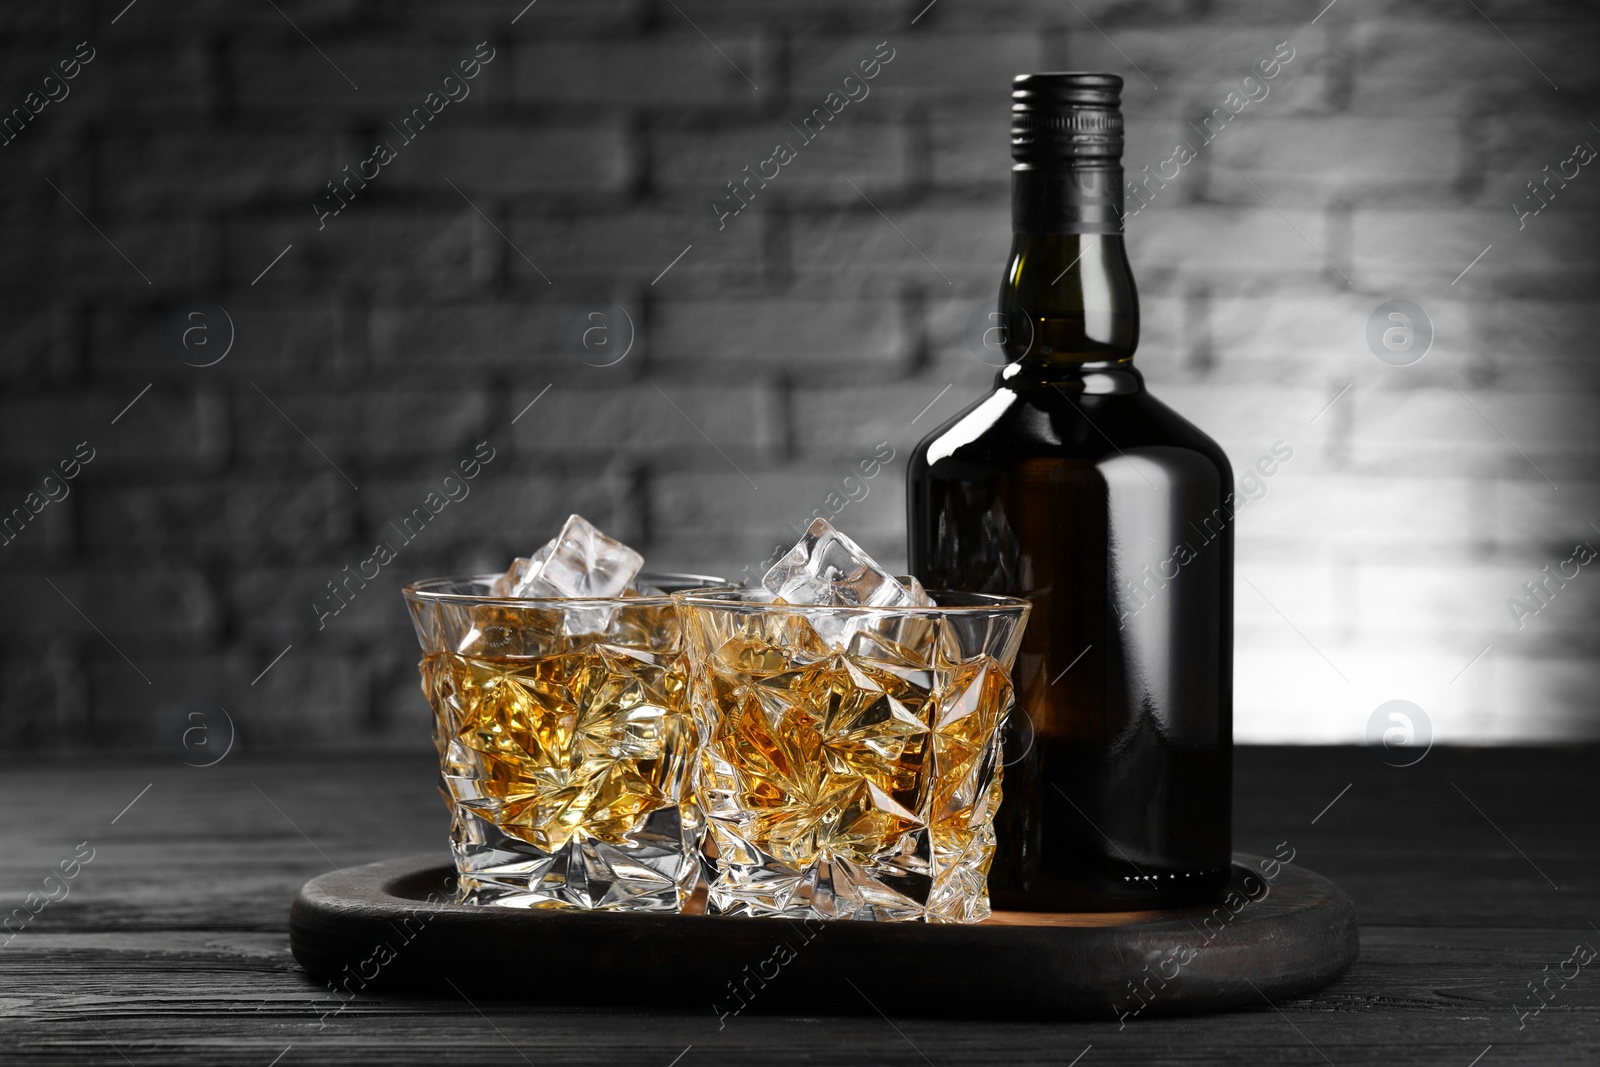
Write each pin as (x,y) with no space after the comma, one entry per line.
(849,757)
(565,743)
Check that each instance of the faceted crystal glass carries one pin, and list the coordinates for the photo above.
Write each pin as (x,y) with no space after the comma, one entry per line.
(853,775)
(565,750)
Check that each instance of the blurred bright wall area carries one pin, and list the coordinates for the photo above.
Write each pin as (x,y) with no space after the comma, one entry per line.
(575,268)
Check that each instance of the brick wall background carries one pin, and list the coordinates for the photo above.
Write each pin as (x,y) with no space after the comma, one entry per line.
(371,355)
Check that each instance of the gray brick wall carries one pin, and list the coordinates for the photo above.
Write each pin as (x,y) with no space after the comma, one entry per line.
(451,292)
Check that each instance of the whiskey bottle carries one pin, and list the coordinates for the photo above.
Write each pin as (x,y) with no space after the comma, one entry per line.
(1070,485)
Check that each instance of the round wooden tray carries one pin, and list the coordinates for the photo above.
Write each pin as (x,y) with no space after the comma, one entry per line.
(390,926)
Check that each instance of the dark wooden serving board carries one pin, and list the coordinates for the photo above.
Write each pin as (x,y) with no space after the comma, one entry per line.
(374,927)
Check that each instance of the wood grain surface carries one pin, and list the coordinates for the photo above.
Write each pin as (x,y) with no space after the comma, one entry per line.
(1474,875)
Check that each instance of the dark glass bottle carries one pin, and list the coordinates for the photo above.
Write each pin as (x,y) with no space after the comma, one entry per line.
(1071,485)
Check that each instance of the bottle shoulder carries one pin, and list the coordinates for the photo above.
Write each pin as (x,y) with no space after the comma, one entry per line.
(1018,421)
(1182,432)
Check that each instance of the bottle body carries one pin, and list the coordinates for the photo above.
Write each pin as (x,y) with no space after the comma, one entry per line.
(1110,513)
(1070,485)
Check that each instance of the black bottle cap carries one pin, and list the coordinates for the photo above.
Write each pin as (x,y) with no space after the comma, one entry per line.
(1064,118)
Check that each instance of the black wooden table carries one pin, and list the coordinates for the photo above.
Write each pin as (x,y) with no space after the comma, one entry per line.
(1475,873)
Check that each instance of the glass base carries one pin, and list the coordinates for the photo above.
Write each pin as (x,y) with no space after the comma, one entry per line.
(656,869)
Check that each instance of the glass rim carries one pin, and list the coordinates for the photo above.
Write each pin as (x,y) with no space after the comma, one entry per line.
(423,591)
(725,597)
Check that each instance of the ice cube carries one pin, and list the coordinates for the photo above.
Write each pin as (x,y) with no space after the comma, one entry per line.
(580,562)
(826,567)
(919,596)
(517,573)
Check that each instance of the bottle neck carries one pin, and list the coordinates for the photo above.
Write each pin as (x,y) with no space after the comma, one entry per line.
(1068,295)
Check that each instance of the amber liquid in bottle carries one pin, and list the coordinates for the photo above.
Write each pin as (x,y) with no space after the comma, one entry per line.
(1070,485)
